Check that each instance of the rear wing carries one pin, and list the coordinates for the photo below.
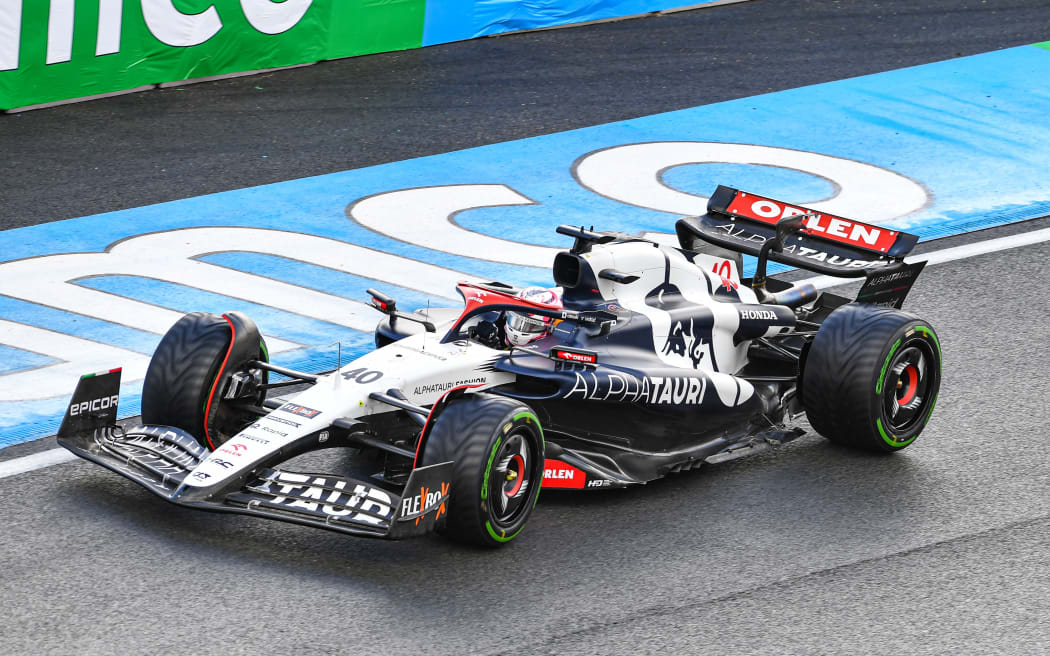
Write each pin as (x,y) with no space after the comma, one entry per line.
(821,242)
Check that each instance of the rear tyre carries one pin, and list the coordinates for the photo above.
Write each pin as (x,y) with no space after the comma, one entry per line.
(496,445)
(180,386)
(871,377)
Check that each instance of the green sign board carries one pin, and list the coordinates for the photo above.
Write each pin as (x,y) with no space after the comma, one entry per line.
(58,49)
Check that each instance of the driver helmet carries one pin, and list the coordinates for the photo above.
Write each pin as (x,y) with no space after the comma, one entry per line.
(525,328)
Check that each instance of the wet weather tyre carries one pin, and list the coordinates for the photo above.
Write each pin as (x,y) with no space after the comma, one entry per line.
(496,445)
(178,390)
(871,377)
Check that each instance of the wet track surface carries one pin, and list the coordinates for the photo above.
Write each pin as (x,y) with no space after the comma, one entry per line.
(811,548)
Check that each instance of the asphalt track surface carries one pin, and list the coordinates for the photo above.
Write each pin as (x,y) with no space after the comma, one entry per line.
(175,143)
(811,548)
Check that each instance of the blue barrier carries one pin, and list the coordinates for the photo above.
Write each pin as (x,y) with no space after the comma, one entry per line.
(456,20)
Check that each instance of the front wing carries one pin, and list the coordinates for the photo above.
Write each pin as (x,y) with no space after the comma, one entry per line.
(162,458)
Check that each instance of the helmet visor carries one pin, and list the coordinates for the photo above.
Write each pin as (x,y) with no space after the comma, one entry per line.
(524,323)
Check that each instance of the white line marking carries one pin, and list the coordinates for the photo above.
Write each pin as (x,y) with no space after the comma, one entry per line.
(633,174)
(77,355)
(432,225)
(40,460)
(57,456)
(170,256)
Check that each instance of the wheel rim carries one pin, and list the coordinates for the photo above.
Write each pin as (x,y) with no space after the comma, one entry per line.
(509,488)
(907,392)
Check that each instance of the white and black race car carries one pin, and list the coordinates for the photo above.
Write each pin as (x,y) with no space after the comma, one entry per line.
(645,360)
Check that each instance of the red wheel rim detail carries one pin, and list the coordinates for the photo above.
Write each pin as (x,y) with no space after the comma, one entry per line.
(913,385)
(215,383)
(518,464)
(907,398)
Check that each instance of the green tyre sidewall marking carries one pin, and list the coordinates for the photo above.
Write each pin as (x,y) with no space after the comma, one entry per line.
(473,432)
(495,536)
(892,439)
(885,365)
(928,332)
(488,468)
(543,447)
(888,437)
(930,414)
(532,421)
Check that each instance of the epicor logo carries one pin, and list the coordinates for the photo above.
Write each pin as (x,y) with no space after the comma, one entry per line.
(94,406)
(163,20)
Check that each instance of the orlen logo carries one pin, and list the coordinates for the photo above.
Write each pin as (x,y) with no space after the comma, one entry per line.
(574,356)
(234,449)
(559,474)
(828,225)
(94,406)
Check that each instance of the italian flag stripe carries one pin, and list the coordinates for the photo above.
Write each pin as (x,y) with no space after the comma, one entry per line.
(101,373)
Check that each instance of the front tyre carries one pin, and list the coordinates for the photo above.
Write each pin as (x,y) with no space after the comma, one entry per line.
(188,380)
(496,445)
(871,377)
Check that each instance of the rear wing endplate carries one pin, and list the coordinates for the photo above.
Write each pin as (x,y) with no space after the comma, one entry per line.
(825,243)
(889,287)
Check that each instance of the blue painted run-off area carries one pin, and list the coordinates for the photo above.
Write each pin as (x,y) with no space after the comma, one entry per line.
(972,132)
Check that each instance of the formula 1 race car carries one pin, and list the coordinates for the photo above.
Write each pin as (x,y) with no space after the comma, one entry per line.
(644,360)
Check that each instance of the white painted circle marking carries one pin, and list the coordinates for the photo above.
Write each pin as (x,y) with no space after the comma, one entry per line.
(631,174)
